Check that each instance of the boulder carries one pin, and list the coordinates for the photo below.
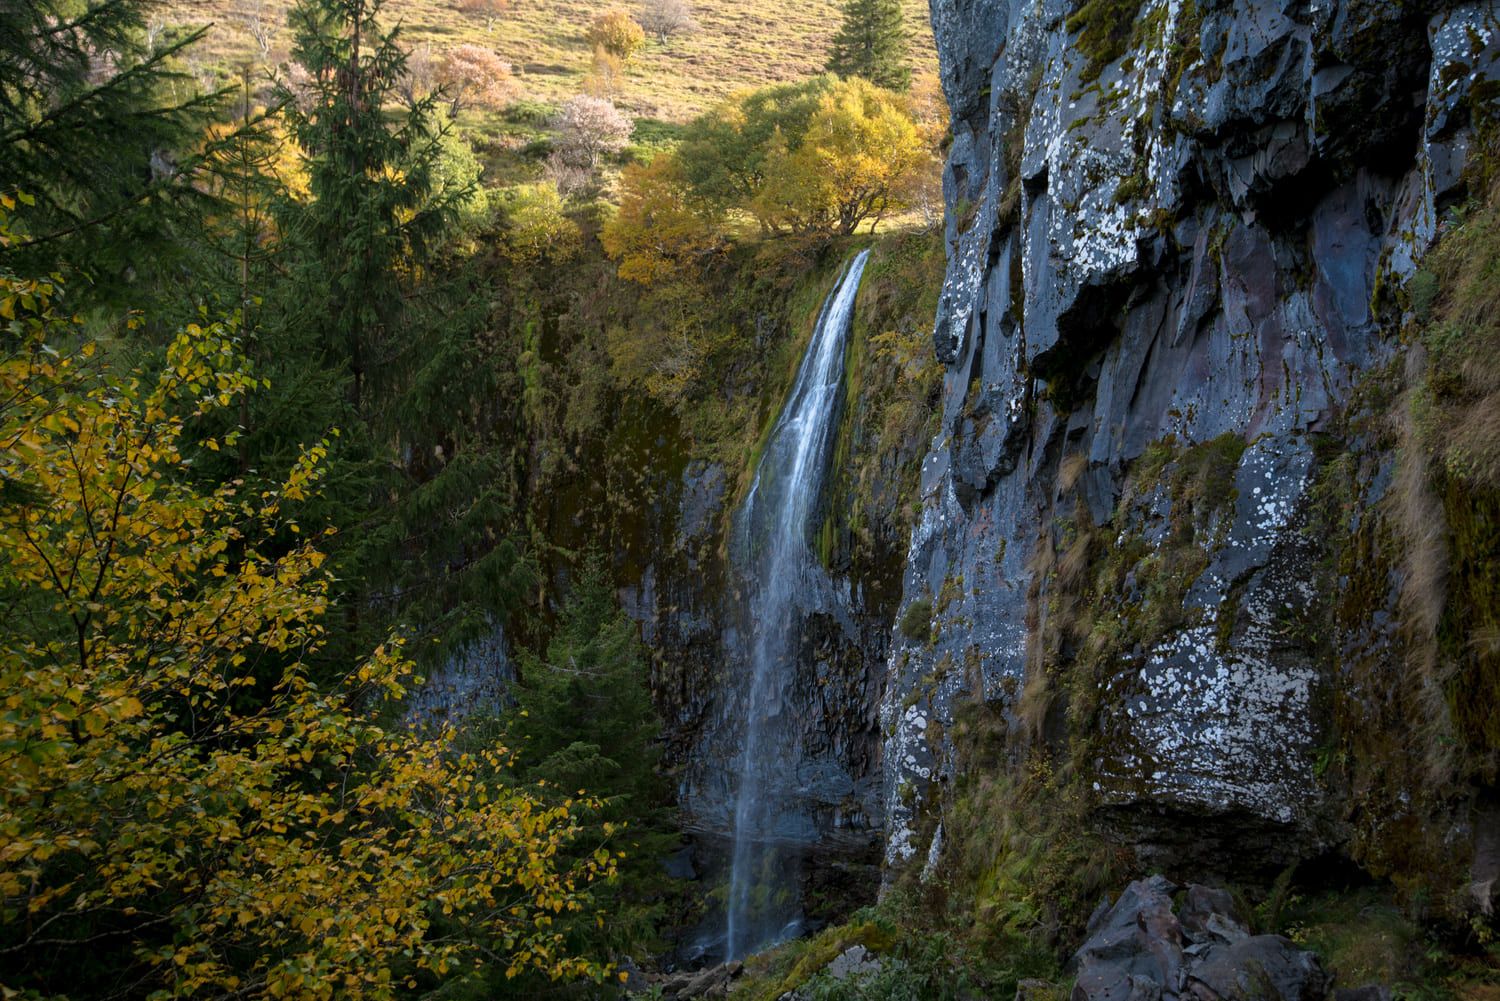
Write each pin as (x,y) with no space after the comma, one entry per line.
(1147,948)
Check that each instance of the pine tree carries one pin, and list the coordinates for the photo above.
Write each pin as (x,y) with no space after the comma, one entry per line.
(379,331)
(102,128)
(872,44)
(375,214)
(584,719)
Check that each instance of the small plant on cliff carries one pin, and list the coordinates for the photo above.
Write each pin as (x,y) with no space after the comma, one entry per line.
(1104,29)
(916,621)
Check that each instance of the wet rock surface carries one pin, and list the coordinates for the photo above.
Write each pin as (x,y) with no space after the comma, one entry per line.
(1150,253)
(1145,949)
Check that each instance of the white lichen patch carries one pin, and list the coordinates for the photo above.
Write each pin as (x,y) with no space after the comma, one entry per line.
(1223,731)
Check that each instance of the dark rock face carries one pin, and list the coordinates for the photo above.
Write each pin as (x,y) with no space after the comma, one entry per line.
(1141,950)
(1149,258)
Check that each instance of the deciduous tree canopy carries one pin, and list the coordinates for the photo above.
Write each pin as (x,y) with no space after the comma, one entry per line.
(181,803)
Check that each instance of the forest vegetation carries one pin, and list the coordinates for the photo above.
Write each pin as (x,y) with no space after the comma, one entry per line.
(283,394)
(374,373)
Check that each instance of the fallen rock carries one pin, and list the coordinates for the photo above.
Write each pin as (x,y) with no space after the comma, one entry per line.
(1143,948)
(855,961)
(710,983)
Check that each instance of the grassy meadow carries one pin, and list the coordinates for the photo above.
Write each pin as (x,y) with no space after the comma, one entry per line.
(738,44)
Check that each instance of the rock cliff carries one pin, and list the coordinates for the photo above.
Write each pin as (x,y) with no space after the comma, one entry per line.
(1178,233)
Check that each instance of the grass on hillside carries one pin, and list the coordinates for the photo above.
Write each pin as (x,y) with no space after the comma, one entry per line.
(738,44)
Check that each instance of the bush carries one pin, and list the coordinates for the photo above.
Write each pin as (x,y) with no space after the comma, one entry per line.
(916,621)
(589,128)
(536,226)
(617,33)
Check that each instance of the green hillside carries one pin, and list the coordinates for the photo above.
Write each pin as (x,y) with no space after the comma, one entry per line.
(736,45)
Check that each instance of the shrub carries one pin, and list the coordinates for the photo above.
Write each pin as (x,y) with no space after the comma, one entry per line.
(536,226)
(665,18)
(616,33)
(916,621)
(589,128)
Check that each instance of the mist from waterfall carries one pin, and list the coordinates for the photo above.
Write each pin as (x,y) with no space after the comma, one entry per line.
(774,560)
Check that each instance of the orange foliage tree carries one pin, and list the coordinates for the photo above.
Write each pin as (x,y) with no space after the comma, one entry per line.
(661,228)
(472,76)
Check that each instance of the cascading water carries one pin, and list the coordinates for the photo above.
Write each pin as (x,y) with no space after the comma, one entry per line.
(775,563)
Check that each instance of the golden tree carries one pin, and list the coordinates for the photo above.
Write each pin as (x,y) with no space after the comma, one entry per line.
(183,809)
(617,33)
(661,228)
(855,163)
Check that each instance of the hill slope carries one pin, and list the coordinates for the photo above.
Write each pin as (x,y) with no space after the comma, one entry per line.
(738,43)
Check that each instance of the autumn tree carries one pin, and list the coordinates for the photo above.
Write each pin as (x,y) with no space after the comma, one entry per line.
(590,128)
(472,76)
(854,164)
(663,227)
(872,44)
(823,156)
(724,151)
(618,33)
(667,18)
(606,75)
(183,809)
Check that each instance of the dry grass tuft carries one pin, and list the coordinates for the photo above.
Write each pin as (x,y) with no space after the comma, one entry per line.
(1417,515)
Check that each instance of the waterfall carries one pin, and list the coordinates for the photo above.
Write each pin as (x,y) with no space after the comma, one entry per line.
(776,564)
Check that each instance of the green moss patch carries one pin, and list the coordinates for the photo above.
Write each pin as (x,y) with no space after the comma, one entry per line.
(1104,29)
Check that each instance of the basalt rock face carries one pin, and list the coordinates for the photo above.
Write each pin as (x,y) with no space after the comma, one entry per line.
(1170,236)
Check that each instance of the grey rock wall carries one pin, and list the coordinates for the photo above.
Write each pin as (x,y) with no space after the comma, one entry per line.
(1184,248)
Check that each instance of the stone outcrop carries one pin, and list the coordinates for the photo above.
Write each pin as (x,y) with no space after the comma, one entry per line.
(1142,949)
(1170,238)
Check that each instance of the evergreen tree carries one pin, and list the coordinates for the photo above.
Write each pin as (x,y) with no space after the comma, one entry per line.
(584,720)
(100,126)
(374,215)
(377,329)
(872,44)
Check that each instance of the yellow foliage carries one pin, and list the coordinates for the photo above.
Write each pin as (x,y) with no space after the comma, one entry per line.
(660,228)
(536,226)
(168,771)
(617,33)
(857,162)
